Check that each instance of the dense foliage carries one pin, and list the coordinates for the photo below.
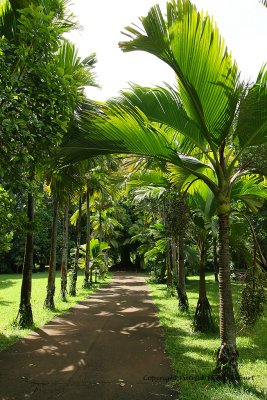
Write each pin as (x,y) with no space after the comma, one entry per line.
(193,201)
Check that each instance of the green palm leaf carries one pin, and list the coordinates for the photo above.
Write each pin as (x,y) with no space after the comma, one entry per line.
(162,105)
(148,193)
(182,178)
(190,43)
(251,128)
(72,65)
(121,131)
(154,177)
(251,191)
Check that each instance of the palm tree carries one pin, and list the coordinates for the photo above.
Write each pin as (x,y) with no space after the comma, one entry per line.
(203,126)
(156,185)
(62,184)
(88,236)
(81,72)
(202,211)
(75,264)
(64,258)
(49,300)
(97,249)
(95,183)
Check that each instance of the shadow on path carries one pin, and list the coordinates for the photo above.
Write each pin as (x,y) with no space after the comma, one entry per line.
(109,347)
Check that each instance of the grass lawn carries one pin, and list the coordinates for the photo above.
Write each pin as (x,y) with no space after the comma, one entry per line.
(193,354)
(9,303)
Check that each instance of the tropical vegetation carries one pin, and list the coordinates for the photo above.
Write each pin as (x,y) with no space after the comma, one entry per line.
(170,180)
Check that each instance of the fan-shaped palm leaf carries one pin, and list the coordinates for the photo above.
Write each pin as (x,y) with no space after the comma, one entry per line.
(190,43)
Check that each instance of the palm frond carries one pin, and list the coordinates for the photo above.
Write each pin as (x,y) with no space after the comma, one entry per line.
(154,177)
(182,177)
(121,133)
(251,190)
(148,193)
(190,43)
(162,105)
(251,128)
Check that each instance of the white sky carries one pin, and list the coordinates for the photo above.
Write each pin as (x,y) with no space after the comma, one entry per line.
(243,24)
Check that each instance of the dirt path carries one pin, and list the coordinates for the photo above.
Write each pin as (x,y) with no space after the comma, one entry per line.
(109,348)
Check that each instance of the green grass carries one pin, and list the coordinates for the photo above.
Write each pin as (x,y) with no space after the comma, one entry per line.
(193,354)
(9,303)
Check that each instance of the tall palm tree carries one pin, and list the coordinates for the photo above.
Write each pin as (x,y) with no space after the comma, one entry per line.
(82,73)
(95,186)
(88,236)
(62,185)
(75,264)
(203,126)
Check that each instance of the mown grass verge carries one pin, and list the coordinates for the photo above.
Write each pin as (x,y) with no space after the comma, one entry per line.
(9,303)
(193,354)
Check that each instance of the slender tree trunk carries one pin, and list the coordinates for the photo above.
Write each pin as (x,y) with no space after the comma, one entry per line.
(174,258)
(227,355)
(215,260)
(100,227)
(49,301)
(203,321)
(64,260)
(25,309)
(73,282)
(168,264)
(88,272)
(181,287)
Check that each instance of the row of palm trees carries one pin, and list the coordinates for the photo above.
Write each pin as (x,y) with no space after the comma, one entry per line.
(205,131)
(85,185)
(191,217)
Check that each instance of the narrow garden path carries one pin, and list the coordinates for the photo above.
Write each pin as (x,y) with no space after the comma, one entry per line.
(110,347)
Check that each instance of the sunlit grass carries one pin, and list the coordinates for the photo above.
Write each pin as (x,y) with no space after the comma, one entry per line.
(193,354)
(9,303)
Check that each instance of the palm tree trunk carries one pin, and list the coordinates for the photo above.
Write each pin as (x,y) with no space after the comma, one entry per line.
(87,271)
(100,226)
(64,260)
(203,321)
(168,264)
(227,355)
(174,258)
(181,287)
(49,301)
(25,309)
(215,260)
(73,282)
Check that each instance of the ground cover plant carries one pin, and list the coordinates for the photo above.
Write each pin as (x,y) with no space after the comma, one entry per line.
(192,354)
(9,298)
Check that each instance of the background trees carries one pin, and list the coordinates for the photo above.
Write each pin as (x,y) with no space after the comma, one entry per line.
(39,94)
(209,131)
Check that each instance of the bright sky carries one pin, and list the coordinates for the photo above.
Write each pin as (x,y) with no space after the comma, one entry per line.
(243,24)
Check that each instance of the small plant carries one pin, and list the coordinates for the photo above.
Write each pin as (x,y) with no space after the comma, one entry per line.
(171,291)
(97,256)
